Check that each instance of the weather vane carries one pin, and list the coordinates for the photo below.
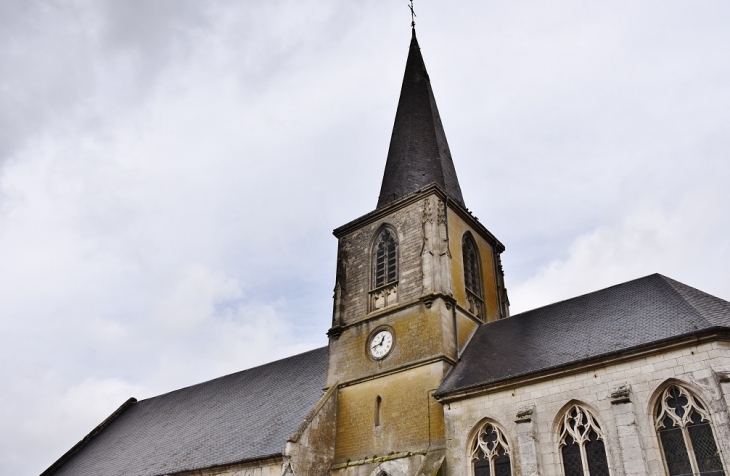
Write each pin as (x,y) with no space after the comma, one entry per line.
(413,15)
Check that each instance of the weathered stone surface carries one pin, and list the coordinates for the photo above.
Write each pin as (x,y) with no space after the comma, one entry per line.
(632,443)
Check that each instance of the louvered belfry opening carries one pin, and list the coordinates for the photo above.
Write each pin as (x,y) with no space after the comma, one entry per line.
(386,260)
(384,286)
(471,267)
(472,276)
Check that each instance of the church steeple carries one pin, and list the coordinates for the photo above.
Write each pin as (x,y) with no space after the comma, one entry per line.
(419,154)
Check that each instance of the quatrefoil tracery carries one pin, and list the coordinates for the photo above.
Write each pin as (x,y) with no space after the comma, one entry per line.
(679,405)
(489,442)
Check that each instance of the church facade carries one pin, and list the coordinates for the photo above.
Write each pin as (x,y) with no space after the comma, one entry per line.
(426,373)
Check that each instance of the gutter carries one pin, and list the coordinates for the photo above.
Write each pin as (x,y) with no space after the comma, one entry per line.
(547,372)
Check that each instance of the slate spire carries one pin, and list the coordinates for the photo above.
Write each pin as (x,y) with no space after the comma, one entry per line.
(419,154)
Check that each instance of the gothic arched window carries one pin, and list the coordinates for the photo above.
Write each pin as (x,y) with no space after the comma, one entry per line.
(683,424)
(490,455)
(385,259)
(472,275)
(582,444)
(384,288)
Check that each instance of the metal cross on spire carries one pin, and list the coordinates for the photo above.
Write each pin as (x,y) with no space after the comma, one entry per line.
(413,15)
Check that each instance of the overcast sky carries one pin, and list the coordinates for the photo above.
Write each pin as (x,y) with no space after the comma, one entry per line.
(171,171)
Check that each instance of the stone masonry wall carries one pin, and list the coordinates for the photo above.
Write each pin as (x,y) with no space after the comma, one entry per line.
(271,467)
(632,446)
(457,228)
(357,247)
(411,420)
(312,449)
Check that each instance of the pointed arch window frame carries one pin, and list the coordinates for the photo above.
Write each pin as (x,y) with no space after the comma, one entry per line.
(477,445)
(663,412)
(581,435)
(384,294)
(472,266)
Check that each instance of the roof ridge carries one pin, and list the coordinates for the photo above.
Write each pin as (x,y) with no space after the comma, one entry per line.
(580,296)
(668,282)
(267,364)
(685,292)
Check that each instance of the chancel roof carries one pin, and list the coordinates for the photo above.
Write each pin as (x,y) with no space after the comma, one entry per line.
(419,154)
(627,316)
(243,416)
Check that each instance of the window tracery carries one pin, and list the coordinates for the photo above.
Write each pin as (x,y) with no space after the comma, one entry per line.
(490,454)
(385,270)
(582,444)
(472,275)
(685,433)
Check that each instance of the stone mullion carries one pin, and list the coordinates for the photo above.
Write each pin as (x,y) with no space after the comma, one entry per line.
(690,450)
(584,458)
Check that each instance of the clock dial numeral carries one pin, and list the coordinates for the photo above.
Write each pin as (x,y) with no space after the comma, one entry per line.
(380,344)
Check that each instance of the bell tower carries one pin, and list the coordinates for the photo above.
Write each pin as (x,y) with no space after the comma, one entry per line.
(415,278)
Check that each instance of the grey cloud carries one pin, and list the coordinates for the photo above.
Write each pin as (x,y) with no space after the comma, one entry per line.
(177,167)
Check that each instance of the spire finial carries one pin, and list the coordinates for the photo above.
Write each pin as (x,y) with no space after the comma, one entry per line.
(413,15)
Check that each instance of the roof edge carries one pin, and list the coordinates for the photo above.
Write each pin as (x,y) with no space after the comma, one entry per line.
(702,334)
(224,466)
(234,373)
(77,447)
(582,295)
(313,412)
(412,197)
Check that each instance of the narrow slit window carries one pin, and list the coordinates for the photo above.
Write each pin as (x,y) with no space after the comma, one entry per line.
(378,403)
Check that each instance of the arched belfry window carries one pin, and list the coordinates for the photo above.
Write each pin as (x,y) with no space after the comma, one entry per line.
(490,454)
(472,276)
(385,269)
(685,433)
(582,444)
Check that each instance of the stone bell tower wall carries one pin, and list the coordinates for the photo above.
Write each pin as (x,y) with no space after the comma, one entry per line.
(355,260)
(458,227)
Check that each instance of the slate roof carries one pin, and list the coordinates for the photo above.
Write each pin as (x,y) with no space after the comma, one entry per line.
(419,154)
(242,416)
(627,316)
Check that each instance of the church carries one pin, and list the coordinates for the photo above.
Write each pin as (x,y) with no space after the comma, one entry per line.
(426,373)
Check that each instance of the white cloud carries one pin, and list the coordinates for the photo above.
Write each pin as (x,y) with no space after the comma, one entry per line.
(681,243)
(170,172)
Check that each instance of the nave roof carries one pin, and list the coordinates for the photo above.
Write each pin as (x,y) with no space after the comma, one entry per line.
(621,318)
(243,416)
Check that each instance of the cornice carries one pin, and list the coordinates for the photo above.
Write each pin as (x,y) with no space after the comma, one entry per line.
(721,334)
(432,188)
(400,368)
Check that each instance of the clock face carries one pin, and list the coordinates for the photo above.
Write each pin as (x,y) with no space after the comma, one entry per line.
(380,344)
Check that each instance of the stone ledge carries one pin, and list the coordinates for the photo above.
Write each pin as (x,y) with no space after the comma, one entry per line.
(378,459)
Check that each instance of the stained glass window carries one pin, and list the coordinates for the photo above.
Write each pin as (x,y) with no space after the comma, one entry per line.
(582,444)
(685,434)
(491,453)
